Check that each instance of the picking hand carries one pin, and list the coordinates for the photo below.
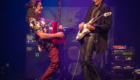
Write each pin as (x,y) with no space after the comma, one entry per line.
(90,27)
(81,26)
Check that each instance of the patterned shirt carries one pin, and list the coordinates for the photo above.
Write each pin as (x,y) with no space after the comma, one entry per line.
(37,26)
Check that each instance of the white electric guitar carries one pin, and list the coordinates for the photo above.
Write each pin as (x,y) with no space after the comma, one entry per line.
(84,31)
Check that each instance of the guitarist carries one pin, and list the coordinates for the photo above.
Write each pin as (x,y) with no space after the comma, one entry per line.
(43,38)
(96,40)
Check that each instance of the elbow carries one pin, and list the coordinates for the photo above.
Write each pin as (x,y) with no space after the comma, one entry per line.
(44,36)
(41,36)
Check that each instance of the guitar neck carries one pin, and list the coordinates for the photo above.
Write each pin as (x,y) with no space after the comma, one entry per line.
(59,15)
(90,23)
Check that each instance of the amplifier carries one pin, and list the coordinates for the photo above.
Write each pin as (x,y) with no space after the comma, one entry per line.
(121,56)
(30,39)
(122,68)
(127,51)
(129,59)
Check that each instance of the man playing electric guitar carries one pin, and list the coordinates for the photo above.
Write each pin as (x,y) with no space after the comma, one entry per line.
(96,40)
(43,37)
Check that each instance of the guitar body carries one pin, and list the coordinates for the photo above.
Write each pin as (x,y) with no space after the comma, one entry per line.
(54,30)
(55,25)
(82,33)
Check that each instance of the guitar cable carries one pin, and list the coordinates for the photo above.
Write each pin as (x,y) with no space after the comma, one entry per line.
(32,67)
(76,64)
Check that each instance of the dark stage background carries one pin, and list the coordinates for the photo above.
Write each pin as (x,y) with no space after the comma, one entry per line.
(14,29)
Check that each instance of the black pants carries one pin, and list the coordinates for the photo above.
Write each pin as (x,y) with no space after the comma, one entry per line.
(87,48)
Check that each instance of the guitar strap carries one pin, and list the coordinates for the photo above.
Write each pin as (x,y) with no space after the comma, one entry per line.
(98,11)
(94,11)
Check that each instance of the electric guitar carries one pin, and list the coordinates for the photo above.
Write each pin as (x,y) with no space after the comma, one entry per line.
(84,31)
(55,26)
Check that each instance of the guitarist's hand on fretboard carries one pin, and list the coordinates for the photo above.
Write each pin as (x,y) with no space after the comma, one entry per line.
(60,34)
(61,28)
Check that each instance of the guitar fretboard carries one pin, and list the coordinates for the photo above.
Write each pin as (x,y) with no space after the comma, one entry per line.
(95,20)
(59,15)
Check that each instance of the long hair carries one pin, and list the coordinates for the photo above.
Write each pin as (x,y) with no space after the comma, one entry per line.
(31,12)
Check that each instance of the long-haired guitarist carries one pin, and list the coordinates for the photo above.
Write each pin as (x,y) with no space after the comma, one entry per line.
(43,38)
(96,40)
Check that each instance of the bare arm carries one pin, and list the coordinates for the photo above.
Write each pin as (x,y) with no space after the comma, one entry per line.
(49,36)
(35,26)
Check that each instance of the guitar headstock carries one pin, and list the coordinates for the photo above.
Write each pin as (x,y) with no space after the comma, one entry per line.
(59,2)
(107,14)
